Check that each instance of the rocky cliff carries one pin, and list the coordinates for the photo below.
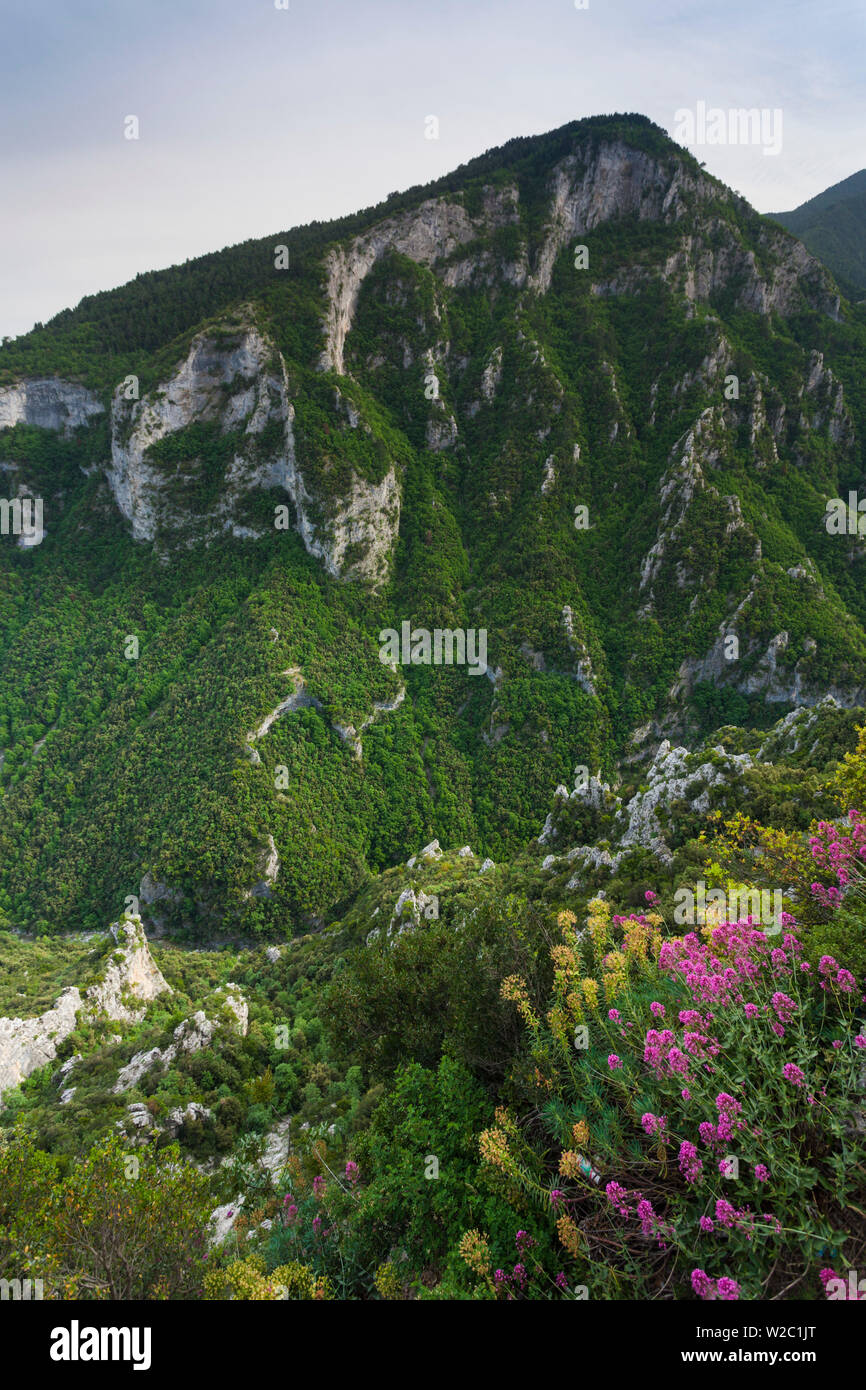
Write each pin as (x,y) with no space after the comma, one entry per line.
(128,982)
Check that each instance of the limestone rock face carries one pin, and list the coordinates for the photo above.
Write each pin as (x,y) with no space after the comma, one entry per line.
(674,776)
(126,988)
(222,1219)
(769,675)
(138,1067)
(270,866)
(231,380)
(26,1044)
(189,1037)
(616,181)
(681,486)
(232,1000)
(409,911)
(366,520)
(177,1118)
(129,984)
(139,1115)
(230,397)
(49,403)
(427,234)
(277,1146)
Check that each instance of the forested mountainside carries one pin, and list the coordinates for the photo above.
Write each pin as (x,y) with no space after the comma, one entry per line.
(833,226)
(470,978)
(444,412)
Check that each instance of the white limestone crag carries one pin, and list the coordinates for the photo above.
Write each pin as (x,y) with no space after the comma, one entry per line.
(790,733)
(366,520)
(49,403)
(614,181)
(764,671)
(700,447)
(26,1044)
(226,1007)
(181,1115)
(270,868)
(131,980)
(234,380)
(277,1146)
(675,775)
(139,1066)
(223,1218)
(428,234)
(583,671)
(410,909)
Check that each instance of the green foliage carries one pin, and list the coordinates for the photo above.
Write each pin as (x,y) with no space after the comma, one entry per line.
(116,1224)
(437,989)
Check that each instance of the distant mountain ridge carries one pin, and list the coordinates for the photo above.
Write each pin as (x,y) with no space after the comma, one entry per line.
(833,226)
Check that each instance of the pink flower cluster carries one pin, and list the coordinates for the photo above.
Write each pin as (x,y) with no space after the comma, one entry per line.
(708,1289)
(690,1165)
(662,1054)
(651,1223)
(828,967)
(725,971)
(717,1136)
(840,855)
(654,1124)
(517,1277)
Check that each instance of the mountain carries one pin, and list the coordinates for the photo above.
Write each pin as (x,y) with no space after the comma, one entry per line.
(576,400)
(436,642)
(833,226)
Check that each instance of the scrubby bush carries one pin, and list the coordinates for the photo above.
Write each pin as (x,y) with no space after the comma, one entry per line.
(116,1224)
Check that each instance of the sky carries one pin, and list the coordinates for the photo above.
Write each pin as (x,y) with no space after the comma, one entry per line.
(255,116)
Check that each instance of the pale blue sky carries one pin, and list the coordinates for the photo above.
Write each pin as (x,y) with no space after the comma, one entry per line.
(255,119)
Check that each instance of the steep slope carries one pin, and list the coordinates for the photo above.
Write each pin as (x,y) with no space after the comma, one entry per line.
(833,226)
(577,396)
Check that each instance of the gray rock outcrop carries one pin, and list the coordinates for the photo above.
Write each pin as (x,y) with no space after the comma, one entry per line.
(130,981)
(49,403)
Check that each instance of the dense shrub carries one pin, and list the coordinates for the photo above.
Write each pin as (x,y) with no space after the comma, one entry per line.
(116,1224)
